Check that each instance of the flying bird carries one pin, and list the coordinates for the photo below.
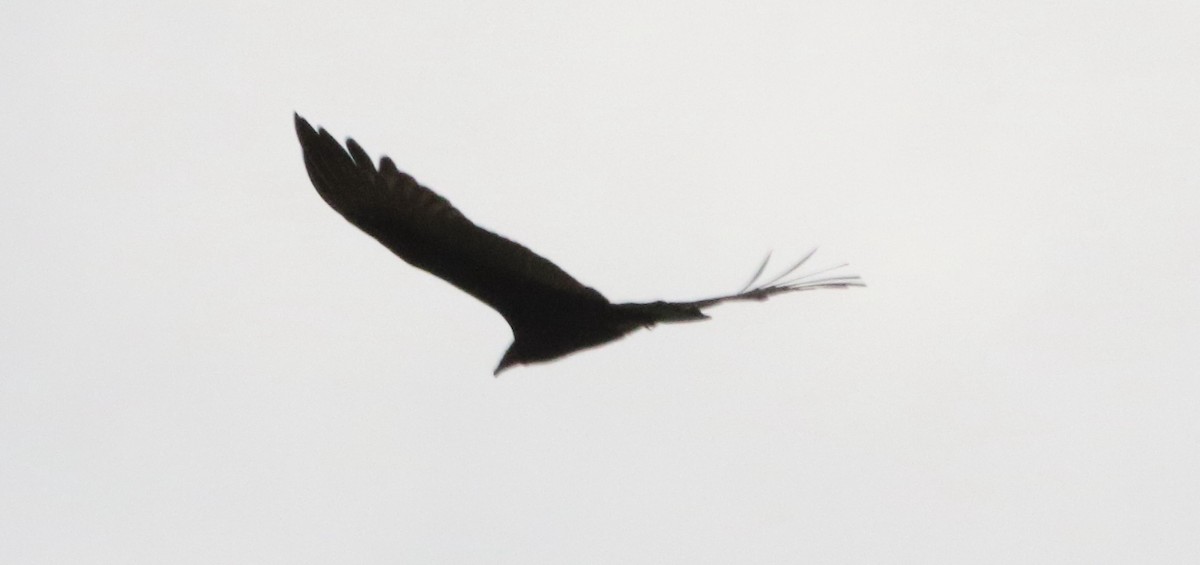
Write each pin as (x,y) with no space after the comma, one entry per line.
(551,314)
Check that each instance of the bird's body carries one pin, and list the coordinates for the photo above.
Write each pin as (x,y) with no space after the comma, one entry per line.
(551,314)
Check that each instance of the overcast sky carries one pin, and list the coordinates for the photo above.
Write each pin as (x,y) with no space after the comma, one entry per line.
(200,362)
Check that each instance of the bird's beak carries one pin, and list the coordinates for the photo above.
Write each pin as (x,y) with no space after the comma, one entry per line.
(507,361)
(504,364)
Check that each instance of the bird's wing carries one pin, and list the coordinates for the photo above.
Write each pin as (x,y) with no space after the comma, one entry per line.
(781,284)
(425,230)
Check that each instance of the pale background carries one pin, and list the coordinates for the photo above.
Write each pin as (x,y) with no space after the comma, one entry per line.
(202,363)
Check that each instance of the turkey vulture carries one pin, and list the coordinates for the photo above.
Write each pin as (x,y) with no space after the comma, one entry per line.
(551,314)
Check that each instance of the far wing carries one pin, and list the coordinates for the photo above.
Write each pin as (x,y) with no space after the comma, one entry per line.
(782,284)
(425,230)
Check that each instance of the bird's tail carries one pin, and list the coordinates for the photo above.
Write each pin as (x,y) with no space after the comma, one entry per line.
(673,312)
(647,315)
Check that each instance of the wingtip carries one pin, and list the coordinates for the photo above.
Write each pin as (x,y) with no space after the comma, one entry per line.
(303,128)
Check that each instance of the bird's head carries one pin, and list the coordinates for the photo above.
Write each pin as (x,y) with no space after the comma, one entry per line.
(511,357)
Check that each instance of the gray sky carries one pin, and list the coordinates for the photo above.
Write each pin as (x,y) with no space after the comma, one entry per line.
(202,363)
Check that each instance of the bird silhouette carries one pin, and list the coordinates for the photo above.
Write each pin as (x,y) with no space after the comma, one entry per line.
(551,314)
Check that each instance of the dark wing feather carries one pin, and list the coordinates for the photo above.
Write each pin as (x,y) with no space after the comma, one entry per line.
(781,284)
(425,230)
